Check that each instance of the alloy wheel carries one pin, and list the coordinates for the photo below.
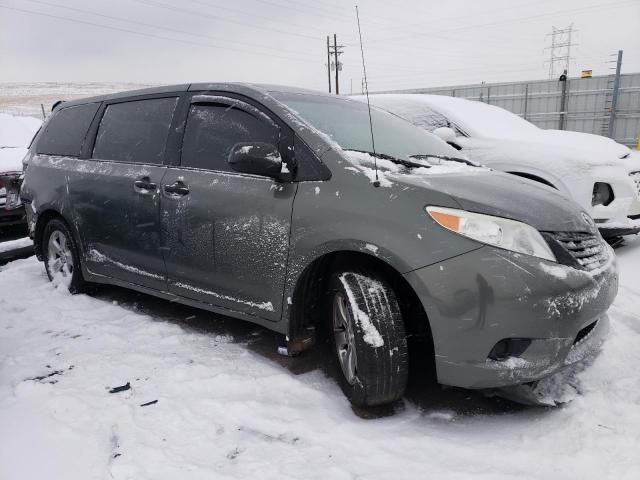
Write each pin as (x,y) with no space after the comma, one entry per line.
(59,256)
(344,337)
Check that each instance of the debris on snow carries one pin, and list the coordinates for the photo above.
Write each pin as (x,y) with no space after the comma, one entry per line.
(121,388)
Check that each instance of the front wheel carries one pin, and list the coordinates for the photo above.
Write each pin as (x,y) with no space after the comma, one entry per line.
(62,258)
(369,338)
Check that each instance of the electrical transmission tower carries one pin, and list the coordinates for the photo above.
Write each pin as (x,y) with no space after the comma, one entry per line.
(334,64)
(560,51)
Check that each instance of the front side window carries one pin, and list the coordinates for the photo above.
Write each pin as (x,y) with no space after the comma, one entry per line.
(135,131)
(213,129)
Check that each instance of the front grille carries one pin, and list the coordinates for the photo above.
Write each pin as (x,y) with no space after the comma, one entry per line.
(635,176)
(3,196)
(586,250)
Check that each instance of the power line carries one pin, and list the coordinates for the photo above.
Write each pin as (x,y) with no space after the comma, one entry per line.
(227,20)
(160,27)
(240,11)
(501,22)
(457,18)
(296,8)
(149,35)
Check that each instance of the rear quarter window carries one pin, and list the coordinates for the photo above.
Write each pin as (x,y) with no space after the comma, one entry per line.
(64,134)
(135,131)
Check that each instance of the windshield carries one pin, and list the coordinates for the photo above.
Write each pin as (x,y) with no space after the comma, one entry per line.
(346,122)
(481,120)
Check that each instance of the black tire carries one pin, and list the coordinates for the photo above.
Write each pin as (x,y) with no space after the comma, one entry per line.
(377,337)
(72,277)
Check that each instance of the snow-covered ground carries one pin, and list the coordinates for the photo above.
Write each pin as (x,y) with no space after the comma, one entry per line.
(13,245)
(229,407)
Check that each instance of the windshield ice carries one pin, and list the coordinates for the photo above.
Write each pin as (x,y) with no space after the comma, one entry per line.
(346,122)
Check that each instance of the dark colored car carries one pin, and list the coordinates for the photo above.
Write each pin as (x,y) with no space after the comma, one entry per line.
(260,202)
(13,222)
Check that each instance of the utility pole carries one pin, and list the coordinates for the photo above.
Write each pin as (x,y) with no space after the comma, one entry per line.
(562,120)
(329,62)
(335,50)
(560,51)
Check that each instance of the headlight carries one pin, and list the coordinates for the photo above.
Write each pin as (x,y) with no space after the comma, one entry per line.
(499,232)
(602,194)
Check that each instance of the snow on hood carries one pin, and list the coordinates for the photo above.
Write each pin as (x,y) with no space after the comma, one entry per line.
(494,151)
(11,159)
(15,135)
(595,144)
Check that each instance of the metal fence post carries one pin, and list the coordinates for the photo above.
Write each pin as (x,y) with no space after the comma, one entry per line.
(614,98)
(526,100)
(563,101)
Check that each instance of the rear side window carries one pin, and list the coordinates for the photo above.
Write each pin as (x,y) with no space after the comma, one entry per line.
(65,132)
(135,131)
(213,130)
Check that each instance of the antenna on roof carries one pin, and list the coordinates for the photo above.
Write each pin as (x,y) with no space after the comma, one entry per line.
(376,183)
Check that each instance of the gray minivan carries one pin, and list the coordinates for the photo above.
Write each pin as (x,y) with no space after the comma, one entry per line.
(270,204)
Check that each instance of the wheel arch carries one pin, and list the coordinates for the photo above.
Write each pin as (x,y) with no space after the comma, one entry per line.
(308,301)
(43,218)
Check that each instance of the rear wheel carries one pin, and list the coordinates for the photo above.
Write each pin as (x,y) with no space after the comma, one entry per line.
(369,339)
(62,259)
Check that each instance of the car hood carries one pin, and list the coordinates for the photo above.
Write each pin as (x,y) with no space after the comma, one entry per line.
(504,195)
(534,151)
(588,142)
(11,159)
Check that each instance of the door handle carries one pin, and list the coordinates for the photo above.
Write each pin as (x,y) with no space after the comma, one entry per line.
(144,185)
(177,188)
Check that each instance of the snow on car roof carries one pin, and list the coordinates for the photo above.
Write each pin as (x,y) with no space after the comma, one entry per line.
(476,118)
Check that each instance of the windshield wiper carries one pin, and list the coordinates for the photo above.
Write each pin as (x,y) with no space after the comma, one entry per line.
(384,156)
(450,159)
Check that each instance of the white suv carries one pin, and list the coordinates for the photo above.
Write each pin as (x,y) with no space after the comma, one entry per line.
(594,171)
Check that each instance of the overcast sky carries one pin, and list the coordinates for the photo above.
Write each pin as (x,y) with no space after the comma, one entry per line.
(408,43)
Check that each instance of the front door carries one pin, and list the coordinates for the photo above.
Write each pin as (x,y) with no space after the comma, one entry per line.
(116,195)
(227,233)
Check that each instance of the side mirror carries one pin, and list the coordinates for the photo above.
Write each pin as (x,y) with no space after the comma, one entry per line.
(445,133)
(256,158)
(448,135)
